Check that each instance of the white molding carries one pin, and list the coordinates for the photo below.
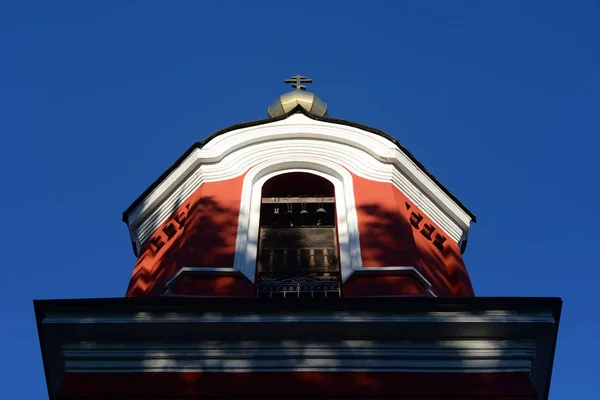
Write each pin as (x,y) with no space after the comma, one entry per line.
(396,271)
(464,356)
(360,271)
(233,153)
(434,318)
(202,271)
(248,221)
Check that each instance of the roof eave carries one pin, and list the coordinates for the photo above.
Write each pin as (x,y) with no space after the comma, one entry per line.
(297,109)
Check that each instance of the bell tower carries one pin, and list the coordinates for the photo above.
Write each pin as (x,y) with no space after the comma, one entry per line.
(298,204)
(298,256)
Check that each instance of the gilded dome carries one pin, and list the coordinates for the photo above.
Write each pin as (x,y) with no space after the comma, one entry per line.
(299,97)
(288,101)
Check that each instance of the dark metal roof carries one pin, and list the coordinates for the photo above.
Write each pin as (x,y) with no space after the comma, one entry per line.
(417,304)
(297,109)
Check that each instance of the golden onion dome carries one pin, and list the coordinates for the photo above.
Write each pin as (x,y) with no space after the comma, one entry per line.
(299,97)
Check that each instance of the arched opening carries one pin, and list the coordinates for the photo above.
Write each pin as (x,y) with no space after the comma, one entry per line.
(298,246)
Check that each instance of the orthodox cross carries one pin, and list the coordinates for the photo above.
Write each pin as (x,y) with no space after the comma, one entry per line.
(297,82)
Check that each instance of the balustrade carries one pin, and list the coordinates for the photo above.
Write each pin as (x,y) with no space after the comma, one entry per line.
(299,261)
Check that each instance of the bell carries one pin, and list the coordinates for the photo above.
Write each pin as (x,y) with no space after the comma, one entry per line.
(303,212)
(320,213)
(289,213)
(275,215)
(290,216)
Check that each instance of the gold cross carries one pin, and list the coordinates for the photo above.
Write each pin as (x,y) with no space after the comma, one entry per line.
(297,82)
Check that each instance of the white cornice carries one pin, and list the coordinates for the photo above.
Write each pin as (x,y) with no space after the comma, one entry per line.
(433,318)
(465,356)
(231,154)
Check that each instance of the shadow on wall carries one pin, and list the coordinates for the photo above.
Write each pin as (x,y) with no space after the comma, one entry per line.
(388,238)
(204,237)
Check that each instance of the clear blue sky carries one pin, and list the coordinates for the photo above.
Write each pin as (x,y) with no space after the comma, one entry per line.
(499,100)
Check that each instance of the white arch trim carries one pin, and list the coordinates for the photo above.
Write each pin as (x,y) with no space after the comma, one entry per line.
(246,248)
(233,153)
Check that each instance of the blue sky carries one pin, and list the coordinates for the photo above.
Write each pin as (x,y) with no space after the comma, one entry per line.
(499,100)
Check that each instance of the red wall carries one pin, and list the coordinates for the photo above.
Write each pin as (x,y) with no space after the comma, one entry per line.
(387,238)
(202,233)
(299,385)
(206,228)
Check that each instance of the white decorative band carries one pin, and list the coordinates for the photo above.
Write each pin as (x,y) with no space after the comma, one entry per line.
(232,154)
(396,271)
(202,271)
(434,318)
(347,356)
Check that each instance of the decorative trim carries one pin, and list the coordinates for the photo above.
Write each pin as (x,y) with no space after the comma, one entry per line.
(232,154)
(298,286)
(472,356)
(208,271)
(246,247)
(201,271)
(396,271)
(486,317)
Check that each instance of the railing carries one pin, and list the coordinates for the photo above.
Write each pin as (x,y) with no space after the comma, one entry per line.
(300,286)
(303,272)
(298,261)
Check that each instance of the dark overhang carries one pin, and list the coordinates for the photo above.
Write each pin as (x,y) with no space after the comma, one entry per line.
(167,304)
(178,320)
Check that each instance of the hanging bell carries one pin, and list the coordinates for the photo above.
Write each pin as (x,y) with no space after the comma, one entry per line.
(275,215)
(289,213)
(321,212)
(290,216)
(303,216)
(320,215)
(303,212)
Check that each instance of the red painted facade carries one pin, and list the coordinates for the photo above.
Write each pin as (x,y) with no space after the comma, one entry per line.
(300,385)
(205,234)
(393,232)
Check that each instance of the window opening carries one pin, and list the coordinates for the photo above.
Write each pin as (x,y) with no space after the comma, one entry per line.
(298,249)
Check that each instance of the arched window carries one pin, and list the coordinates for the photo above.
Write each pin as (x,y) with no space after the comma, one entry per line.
(298,246)
(247,239)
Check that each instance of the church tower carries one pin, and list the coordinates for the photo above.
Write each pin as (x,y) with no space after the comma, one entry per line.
(298,200)
(300,256)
